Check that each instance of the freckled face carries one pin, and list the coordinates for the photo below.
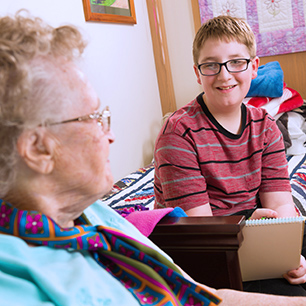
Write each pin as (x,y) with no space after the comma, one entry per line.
(82,156)
(225,90)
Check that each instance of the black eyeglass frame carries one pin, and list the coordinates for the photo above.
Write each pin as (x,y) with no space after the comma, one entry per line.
(248,60)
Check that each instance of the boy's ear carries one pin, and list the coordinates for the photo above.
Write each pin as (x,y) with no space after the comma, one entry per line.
(197,73)
(36,148)
(255,65)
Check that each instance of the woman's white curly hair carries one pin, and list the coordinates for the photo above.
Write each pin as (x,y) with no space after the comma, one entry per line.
(30,92)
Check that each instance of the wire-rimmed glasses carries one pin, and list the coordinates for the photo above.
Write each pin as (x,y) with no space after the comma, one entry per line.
(103,118)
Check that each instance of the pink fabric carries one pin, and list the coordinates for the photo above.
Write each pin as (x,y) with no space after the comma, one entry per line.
(146,220)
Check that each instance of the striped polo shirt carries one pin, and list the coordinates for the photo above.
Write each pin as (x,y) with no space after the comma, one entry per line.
(197,161)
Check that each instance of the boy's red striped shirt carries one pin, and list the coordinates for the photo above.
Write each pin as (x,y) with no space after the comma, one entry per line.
(197,161)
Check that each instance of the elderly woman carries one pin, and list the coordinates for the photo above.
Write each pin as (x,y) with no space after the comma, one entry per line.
(54,164)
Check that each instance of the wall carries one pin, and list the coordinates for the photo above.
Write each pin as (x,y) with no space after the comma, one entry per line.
(179,25)
(119,63)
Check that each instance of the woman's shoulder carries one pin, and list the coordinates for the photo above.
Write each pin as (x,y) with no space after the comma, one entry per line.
(101,214)
(34,275)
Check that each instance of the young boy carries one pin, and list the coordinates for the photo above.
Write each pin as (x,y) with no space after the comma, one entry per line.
(217,156)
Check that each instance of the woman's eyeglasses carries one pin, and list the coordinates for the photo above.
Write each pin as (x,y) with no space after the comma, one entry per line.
(103,118)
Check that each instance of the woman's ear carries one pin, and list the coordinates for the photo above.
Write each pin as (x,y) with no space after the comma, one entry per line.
(37,148)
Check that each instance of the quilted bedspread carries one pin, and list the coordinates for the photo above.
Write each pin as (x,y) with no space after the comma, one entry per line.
(279,25)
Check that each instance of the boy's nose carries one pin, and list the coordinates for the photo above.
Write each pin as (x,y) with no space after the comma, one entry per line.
(224,73)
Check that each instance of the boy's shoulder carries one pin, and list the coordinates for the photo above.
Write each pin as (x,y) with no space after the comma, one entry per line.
(257,113)
(186,111)
(186,116)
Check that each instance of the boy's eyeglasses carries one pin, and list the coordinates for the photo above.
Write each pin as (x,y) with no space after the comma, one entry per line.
(103,118)
(232,66)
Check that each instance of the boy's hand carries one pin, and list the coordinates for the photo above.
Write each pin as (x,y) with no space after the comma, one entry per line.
(297,276)
(263,213)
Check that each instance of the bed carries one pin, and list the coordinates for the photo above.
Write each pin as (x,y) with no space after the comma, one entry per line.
(217,239)
(135,191)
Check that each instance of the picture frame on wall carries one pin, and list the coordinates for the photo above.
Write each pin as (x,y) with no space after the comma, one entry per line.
(117,11)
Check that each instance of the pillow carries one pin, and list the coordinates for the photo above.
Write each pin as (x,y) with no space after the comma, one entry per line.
(269,81)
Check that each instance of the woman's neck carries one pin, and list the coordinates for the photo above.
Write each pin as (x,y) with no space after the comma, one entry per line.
(49,197)
(63,209)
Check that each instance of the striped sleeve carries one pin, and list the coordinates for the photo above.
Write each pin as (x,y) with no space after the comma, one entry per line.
(178,180)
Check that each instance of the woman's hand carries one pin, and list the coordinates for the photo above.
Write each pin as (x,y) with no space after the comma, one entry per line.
(297,276)
(264,213)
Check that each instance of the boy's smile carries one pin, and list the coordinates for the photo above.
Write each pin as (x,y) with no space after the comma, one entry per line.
(225,90)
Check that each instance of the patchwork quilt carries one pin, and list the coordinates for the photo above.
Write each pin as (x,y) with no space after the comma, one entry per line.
(133,192)
(278,25)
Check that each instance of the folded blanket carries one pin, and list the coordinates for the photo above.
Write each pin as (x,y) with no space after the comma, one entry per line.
(146,220)
(301,110)
(296,130)
(269,81)
(289,100)
(282,124)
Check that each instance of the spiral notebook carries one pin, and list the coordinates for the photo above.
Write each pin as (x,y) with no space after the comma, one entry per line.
(271,247)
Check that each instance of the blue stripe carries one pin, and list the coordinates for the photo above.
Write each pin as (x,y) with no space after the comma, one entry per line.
(231,146)
(175,148)
(183,179)
(234,177)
